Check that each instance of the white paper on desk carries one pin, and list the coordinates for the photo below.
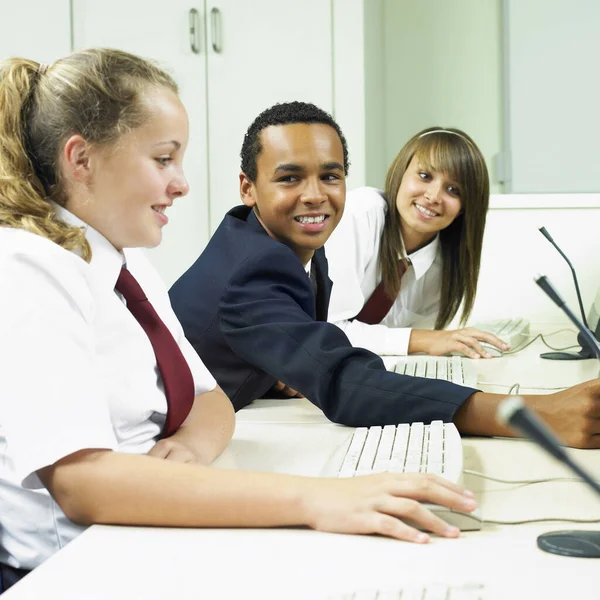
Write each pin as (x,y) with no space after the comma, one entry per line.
(284,410)
(521,460)
(552,501)
(293,448)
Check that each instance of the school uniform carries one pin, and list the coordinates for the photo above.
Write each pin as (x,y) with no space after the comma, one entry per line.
(353,257)
(77,371)
(248,307)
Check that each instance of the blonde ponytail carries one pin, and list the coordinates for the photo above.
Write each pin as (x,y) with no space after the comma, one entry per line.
(24,203)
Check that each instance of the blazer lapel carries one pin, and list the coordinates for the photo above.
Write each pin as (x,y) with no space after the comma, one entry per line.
(319,264)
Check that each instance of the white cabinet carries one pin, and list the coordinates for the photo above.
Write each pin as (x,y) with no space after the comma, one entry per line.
(251,55)
(160,31)
(33,29)
(271,51)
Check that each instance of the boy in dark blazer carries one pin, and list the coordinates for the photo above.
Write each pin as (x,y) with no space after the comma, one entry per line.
(254,304)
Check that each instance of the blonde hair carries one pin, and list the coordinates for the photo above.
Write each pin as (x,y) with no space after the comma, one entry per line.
(453,152)
(98,94)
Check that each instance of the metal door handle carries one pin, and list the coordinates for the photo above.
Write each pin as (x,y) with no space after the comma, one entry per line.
(215,28)
(194,29)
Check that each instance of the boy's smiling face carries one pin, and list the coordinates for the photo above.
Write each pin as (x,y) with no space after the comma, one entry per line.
(300,186)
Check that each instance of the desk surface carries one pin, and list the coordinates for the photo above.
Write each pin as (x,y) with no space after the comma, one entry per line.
(293,436)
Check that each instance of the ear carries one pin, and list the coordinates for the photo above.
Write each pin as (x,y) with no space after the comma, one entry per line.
(247,191)
(77,159)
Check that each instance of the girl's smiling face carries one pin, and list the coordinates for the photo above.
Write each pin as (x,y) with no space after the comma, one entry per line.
(427,202)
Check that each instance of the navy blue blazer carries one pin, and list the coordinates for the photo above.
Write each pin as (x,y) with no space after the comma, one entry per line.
(249,309)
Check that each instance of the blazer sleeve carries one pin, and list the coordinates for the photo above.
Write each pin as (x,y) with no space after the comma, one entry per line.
(267,318)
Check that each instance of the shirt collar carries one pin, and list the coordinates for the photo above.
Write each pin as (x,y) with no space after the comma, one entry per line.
(308,266)
(107,261)
(422,259)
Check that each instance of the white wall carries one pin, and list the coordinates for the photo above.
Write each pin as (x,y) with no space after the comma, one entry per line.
(359,84)
(349,83)
(37,30)
(553,92)
(443,67)
(376,162)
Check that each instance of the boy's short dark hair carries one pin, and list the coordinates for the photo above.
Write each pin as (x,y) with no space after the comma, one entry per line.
(284,114)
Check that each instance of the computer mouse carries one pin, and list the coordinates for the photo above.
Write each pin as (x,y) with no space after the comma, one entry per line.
(492,350)
(464,521)
(585,544)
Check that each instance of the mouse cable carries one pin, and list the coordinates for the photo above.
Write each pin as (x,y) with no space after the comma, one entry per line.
(524,481)
(543,338)
(541,520)
(514,388)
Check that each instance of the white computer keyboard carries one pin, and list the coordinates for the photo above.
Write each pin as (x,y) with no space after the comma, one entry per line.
(469,591)
(456,369)
(404,448)
(513,331)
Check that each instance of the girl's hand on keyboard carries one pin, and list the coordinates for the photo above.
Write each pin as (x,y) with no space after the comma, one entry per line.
(467,341)
(377,504)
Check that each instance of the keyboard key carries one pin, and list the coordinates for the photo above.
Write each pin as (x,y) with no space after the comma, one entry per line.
(442,370)
(436,592)
(456,369)
(367,458)
(413,593)
(512,331)
(384,452)
(348,467)
(415,442)
(420,368)
(400,446)
(432,591)
(435,449)
(415,448)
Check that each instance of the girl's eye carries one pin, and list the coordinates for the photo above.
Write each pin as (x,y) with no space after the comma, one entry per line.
(424,175)
(452,189)
(164,160)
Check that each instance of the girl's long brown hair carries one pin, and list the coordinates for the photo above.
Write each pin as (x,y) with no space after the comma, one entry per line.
(99,94)
(454,153)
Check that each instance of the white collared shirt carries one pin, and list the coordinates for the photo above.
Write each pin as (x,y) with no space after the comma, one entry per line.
(308,266)
(353,254)
(77,371)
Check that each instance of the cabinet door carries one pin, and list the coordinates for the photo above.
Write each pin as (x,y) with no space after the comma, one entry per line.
(36,30)
(160,31)
(260,53)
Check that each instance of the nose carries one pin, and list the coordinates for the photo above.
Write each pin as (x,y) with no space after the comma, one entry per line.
(433,191)
(178,187)
(313,192)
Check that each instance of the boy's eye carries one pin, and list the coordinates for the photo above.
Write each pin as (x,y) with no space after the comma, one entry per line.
(330,177)
(287,179)
(164,160)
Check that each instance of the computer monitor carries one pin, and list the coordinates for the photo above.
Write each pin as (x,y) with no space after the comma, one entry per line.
(594,316)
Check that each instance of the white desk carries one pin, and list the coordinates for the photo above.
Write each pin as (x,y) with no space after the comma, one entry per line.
(293,436)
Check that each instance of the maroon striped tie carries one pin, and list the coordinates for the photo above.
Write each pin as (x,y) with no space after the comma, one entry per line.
(176,375)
